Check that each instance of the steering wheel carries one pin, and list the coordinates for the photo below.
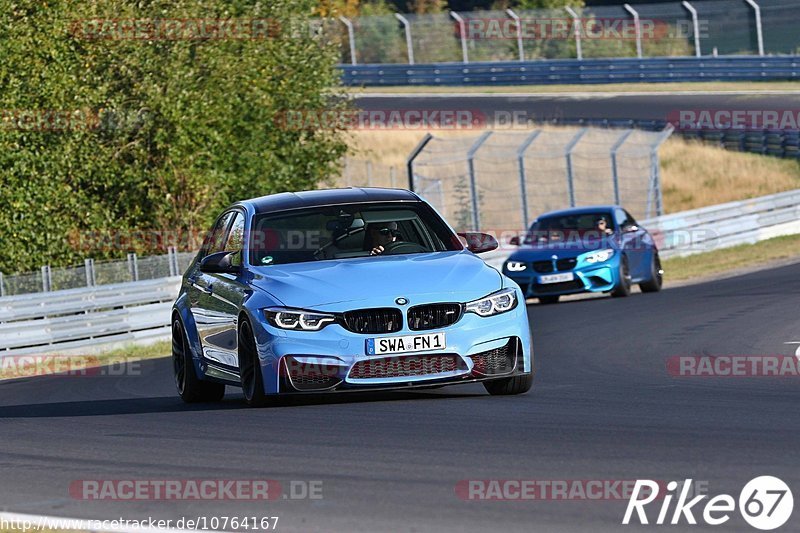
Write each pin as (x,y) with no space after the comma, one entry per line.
(403,247)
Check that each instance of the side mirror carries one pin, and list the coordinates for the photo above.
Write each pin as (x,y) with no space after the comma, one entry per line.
(630,228)
(219,263)
(479,242)
(514,241)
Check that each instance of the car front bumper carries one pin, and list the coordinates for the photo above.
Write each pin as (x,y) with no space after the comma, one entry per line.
(335,359)
(590,278)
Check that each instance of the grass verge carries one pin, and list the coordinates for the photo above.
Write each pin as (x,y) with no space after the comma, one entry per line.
(727,260)
(705,86)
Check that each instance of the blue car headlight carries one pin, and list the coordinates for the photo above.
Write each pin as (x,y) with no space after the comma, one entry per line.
(599,256)
(516,266)
(297,319)
(494,304)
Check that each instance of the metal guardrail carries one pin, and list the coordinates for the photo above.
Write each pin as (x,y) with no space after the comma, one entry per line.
(78,318)
(573,71)
(711,228)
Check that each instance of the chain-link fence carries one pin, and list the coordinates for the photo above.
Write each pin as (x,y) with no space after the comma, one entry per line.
(696,27)
(93,273)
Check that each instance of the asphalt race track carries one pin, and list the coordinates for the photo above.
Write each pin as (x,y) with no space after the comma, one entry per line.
(642,106)
(603,408)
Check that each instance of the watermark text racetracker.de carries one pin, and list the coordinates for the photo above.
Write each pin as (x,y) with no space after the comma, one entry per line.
(556,489)
(734,119)
(733,366)
(194,489)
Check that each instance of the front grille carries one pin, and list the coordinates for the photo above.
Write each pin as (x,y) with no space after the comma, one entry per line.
(381,320)
(548,288)
(496,362)
(433,316)
(311,376)
(566,264)
(543,267)
(406,366)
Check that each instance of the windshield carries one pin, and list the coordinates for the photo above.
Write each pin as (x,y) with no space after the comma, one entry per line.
(569,227)
(346,231)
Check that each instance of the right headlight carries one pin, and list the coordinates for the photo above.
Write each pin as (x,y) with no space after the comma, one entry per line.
(297,319)
(494,304)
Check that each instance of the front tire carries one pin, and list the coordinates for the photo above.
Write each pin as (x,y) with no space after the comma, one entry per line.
(250,368)
(509,386)
(623,287)
(190,388)
(656,280)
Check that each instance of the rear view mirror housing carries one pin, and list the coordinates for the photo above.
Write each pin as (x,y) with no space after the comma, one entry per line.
(478,243)
(219,263)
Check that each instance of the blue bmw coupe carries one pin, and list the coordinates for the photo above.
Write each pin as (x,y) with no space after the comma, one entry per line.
(585,249)
(345,290)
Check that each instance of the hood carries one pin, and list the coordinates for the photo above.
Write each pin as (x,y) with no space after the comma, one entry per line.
(454,276)
(574,248)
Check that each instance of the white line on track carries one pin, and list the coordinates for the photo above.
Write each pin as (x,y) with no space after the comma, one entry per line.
(578,94)
(41,522)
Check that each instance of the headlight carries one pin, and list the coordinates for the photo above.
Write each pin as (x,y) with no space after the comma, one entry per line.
(298,320)
(599,256)
(516,266)
(494,304)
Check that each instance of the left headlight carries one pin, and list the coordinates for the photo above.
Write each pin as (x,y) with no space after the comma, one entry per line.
(599,256)
(297,319)
(494,304)
(516,266)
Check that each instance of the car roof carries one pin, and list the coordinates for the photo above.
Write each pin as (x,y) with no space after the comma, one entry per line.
(580,210)
(351,195)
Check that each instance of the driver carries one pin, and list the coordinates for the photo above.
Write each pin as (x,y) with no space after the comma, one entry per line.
(602,226)
(379,236)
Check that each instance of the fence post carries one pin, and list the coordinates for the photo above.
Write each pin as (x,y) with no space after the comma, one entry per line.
(568,154)
(88,267)
(695,25)
(133,266)
(654,188)
(412,156)
(350,37)
(614,173)
(2,286)
(576,22)
(637,28)
(473,185)
(47,280)
(463,31)
(172,258)
(759,32)
(516,18)
(409,42)
(523,187)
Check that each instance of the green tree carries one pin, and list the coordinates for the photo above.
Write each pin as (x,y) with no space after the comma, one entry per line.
(186,125)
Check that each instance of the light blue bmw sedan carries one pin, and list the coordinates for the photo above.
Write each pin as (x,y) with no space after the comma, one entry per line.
(345,290)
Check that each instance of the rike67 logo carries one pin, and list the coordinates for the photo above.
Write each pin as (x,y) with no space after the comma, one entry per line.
(765,503)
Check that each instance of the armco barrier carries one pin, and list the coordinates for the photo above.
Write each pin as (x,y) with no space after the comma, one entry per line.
(573,71)
(77,318)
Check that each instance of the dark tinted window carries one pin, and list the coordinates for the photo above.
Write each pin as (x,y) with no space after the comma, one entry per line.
(346,231)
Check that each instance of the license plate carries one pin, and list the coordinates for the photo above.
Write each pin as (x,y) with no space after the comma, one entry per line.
(406,343)
(556,278)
